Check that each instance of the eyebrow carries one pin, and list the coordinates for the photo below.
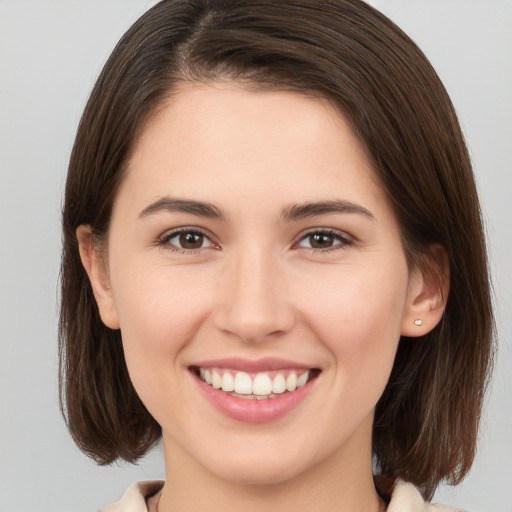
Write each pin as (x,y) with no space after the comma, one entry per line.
(172,205)
(291,213)
(301,211)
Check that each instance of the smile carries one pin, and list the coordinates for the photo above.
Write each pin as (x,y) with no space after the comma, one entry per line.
(258,386)
(252,391)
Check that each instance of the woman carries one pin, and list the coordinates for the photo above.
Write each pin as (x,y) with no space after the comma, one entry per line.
(274,260)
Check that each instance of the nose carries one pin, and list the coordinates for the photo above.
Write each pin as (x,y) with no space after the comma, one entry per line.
(255,301)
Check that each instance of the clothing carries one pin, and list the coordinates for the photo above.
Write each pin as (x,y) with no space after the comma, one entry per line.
(136,498)
(143,496)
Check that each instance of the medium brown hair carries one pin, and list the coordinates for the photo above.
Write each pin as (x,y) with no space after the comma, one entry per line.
(426,422)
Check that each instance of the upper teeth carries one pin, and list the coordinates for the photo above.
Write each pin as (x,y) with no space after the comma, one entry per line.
(261,384)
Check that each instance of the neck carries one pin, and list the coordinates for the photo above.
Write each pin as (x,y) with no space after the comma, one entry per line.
(336,484)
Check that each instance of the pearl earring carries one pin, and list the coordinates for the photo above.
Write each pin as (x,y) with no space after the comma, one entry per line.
(418,322)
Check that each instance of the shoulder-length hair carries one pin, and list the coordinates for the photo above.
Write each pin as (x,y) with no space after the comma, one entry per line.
(426,422)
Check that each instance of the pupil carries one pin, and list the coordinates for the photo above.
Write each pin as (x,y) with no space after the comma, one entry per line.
(191,240)
(321,241)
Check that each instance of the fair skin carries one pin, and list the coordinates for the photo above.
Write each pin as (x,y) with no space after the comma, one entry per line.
(255,276)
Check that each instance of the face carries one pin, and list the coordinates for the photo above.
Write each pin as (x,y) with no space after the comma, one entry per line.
(256,272)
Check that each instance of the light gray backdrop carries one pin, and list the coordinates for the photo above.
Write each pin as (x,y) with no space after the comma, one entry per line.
(50,53)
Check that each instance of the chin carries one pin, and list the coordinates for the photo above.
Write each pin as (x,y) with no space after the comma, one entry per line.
(260,467)
(263,476)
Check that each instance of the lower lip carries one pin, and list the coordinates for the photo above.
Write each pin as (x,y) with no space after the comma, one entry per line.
(254,411)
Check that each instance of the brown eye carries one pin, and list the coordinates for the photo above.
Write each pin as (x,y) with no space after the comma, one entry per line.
(324,240)
(191,240)
(321,241)
(188,240)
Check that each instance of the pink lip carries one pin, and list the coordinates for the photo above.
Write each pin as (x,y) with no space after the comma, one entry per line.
(246,365)
(252,411)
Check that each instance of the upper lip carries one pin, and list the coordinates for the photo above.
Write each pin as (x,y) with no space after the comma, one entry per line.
(252,366)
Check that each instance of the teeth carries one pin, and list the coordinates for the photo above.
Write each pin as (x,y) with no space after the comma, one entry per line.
(303,378)
(243,383)
(216,380)
(291,382)
(253,397)
(262,387)
(248,397)
(228,382)
(279,384)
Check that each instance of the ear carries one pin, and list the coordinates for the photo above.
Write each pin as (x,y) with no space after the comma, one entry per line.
(96,270)
(428,292)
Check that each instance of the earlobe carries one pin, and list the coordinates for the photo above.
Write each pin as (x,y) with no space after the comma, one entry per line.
(428,293)
(98,277)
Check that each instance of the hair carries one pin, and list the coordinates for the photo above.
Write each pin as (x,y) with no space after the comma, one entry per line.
(426,422)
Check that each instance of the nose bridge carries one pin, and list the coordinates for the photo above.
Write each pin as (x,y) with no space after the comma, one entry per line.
(255,304)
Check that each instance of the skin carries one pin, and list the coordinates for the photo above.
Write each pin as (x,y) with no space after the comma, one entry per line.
(257,288)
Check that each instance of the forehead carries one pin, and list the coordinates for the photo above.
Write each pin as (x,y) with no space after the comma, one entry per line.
(252,155)
(210,109)
(220,125)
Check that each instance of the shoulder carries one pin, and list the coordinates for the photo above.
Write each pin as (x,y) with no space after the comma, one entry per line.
(134,499)
(406,498)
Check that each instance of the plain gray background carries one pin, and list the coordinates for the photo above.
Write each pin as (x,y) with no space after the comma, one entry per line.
(50,54)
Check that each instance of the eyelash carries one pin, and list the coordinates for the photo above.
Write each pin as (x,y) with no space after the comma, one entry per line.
(164,240)
(343,240)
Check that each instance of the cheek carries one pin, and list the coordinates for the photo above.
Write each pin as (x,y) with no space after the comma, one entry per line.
(358,299)
(159,313)
(358,317)
(159,308)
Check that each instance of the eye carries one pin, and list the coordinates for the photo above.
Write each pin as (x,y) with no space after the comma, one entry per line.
(186,240)
(324,240)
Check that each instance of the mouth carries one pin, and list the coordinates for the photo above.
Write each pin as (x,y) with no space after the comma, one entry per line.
(261,385)
(255,391)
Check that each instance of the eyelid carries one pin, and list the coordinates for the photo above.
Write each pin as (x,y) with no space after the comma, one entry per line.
(163,240)
(345,239)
